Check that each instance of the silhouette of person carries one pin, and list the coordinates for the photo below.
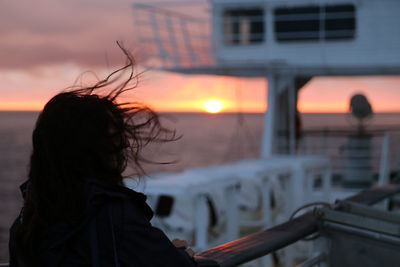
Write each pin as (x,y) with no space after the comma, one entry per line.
(76,210)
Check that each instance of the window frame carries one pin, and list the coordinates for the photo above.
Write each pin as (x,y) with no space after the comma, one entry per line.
(320,16)
(241,33)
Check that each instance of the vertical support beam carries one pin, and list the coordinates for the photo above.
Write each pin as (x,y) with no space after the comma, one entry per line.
(266,219)
(300,82)
(266,198)
(280,116)
(385,161)
(327,181)
(269,28)
(232,213)
(298,190)
(292,99)
(201,219)
(295,198)
(270,118)
(217,32)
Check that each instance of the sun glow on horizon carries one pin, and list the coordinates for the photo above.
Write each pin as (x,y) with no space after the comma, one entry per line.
(213,105)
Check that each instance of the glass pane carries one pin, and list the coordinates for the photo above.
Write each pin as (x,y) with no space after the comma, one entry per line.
(340,22)
(243,26)
(297,23)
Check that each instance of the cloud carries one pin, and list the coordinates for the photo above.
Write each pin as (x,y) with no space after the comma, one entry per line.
(83,32)
(45,32)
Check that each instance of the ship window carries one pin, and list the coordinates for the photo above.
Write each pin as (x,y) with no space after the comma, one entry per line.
(297,23)
(308,23)
(243,26)
(340,22)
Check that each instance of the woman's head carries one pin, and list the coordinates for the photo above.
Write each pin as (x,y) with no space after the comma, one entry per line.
(84,133)
(80,136)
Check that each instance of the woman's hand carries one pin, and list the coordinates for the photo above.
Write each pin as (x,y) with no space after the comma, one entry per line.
(179,243)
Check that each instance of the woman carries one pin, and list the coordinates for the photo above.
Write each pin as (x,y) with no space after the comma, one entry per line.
(76,210)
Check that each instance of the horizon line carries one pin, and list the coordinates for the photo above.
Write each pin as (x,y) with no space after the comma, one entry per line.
(224,112)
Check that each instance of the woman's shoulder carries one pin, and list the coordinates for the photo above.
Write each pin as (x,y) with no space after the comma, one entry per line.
(113,190)
(120,197)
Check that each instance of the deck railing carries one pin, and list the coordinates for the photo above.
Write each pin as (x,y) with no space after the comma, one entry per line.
(262,243)
(173,34)
(373,155)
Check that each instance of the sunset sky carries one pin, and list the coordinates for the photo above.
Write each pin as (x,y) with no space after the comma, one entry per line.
(45,45)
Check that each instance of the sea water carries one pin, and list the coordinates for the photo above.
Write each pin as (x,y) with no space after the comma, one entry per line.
(206,139)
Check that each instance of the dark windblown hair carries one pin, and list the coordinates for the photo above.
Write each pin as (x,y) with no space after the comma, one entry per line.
(81,134)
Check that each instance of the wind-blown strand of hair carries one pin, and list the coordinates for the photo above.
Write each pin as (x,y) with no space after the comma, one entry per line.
(150,130)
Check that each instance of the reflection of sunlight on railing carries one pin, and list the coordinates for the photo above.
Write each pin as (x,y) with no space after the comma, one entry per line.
(170,37)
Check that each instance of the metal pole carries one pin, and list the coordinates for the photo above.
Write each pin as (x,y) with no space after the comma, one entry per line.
(364,233)
(232,213)
(266,261)
(202,221)
(269,135)
(158,38)
(385,161)
(292,116)
(174,44)
(188,44)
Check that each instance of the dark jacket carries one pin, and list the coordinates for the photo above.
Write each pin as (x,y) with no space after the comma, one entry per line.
(115,232)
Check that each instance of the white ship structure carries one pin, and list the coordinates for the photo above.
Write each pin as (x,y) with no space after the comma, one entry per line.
(288,42)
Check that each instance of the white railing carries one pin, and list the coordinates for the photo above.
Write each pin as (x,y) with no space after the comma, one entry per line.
(371,156)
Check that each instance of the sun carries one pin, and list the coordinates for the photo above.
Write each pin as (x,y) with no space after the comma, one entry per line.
(213,105)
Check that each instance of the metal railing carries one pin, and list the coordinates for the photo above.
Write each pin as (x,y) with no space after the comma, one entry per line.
(375,154)
(262,243)
(171,37)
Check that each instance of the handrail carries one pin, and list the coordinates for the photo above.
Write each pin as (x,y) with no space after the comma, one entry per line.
(376,194)
(157,9)
(264,242)
(256,245)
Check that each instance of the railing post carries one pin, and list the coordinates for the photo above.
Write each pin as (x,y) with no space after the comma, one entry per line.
(266,261)
(201,222)
(269,132)
(325,142)
(172,38)
(138,33)
(327,180)
(292,116)
(232,213)
(158,39)
(188,44)
(384,163)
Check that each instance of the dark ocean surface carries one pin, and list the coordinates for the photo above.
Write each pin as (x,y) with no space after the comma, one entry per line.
(206,139)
